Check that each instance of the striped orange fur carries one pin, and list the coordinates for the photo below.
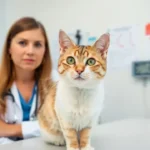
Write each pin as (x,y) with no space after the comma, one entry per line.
(70,107)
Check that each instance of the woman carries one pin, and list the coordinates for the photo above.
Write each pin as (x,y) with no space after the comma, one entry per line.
(25,66)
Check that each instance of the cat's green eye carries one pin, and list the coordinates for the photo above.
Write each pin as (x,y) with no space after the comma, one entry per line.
(70,60)
(91,61)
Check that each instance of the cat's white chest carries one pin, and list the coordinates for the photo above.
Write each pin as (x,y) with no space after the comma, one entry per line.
(79,106)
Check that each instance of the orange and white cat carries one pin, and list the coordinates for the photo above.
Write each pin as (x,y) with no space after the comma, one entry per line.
(73,105)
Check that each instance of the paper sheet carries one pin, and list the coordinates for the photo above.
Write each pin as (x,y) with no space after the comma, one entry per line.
(123,45)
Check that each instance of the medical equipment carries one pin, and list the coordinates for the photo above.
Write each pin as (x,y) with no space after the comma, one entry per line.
(141,69)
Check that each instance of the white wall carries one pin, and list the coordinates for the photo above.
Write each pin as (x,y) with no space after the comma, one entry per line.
(2,23)
(124,95)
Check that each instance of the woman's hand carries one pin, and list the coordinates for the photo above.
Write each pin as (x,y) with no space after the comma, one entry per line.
(10,130)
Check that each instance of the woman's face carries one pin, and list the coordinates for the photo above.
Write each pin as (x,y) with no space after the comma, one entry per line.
(27,49)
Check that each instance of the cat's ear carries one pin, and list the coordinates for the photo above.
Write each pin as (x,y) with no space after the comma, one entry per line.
(102,45)
(64,41)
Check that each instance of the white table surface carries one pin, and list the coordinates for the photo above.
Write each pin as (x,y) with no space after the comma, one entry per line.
(129,134)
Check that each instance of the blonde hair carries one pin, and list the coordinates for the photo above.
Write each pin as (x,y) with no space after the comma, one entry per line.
(7,74)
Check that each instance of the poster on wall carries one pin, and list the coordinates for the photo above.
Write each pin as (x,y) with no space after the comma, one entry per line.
(123,46)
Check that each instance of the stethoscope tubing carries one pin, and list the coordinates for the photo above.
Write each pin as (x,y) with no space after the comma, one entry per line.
(9,93)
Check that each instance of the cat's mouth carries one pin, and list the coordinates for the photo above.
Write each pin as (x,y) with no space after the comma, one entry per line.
(79,78)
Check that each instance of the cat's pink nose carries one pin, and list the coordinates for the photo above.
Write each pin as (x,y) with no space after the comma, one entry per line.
(79,71)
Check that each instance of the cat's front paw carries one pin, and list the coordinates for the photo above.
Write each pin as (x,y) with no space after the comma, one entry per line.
(87,148)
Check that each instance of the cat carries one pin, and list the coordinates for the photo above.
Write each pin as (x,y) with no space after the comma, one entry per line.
(73,104)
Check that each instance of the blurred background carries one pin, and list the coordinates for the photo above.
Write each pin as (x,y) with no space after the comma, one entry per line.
(127,94)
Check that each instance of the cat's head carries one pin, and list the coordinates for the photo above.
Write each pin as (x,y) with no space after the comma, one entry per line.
(82,66)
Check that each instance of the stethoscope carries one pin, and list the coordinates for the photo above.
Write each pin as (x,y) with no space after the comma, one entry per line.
(33,116)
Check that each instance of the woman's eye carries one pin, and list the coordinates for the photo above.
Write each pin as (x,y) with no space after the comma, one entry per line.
(70,60)
(38,44)
(22,43)
(91,61)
